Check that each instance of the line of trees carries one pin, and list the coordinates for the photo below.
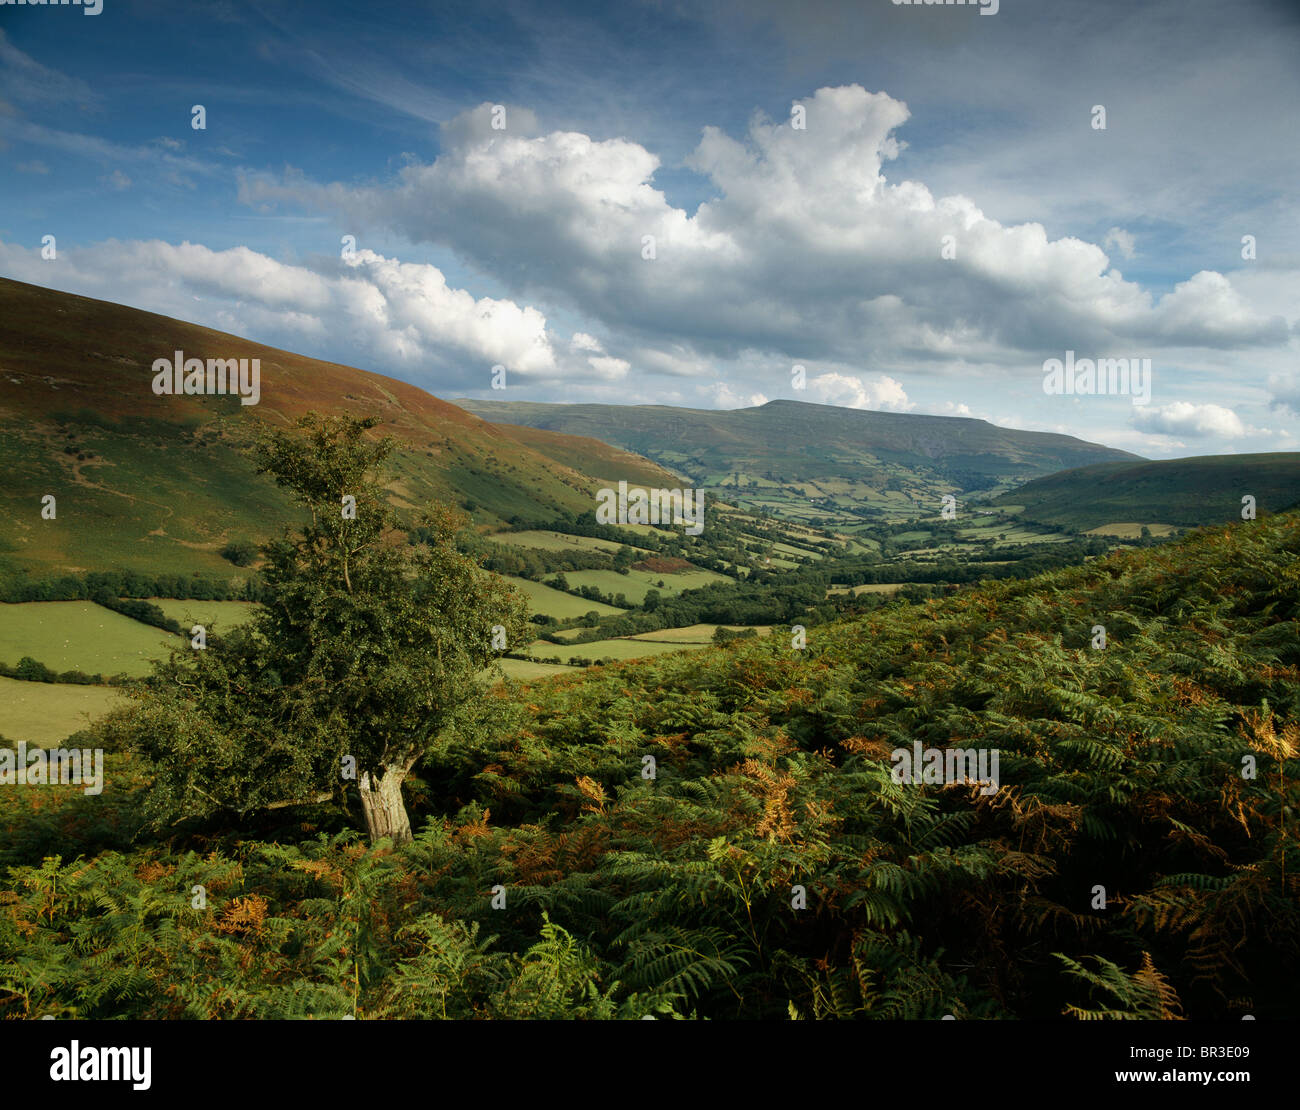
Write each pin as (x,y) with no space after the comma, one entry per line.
(28,669)
(90,586)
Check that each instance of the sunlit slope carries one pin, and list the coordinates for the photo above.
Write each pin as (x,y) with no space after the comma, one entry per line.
(161,483)
(591,456)
(1186,493)
(789,444)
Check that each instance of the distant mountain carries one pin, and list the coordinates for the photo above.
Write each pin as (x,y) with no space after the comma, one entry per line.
(1187,493)
(159,483)
(788,454)
(590,456)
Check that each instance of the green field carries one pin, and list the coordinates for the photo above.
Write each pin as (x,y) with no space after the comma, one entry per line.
(636,583)
(797,552)
(570,633)
(615,649)
(1129,530)
(124,507)
(859,544)
(47,712)
(869,588)
(525,670)
(80,636)
(556,541)
(1021,534)
(556,603)
(221,614)
(981,528)
(693,633)
(641,529)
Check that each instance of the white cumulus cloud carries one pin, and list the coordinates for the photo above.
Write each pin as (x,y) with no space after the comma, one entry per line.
(1182,418)
(808,249)
(853,392)
(370,311)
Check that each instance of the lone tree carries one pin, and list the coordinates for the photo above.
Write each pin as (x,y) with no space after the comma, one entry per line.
(365,653)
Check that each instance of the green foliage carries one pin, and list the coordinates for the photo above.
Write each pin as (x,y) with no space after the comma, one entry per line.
(678,895)
(366,648)
(1142,996)
(723,635)
(1190,492)
(240,552)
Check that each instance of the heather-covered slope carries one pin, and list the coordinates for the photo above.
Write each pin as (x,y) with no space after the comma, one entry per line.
(160,483)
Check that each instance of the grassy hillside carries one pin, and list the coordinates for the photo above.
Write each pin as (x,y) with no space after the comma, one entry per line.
(556,541)
(816,462)
(47,712)
(160,483)
(637,583)
(81,636)
(556,603)
(213,615)
(588,455)
(1185,493)
(1132,862)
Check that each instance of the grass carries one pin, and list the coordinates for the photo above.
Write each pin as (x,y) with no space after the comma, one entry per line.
(222,614)
(47,712)
(614,649)
(157,484)
(556,603)
(860,544)
(1020,534)
(1129,530)
(140,503)
(802,552)
(556,541)
(526,669)
(693,633)
(635,584)
(570,633)
(869,588)
(80,636)
(642,529)
(1187,493)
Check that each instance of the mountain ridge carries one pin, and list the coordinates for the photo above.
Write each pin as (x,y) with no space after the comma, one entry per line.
(785,452)
(142,480)
(1186,493)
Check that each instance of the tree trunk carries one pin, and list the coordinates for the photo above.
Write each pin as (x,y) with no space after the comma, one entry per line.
(382,804)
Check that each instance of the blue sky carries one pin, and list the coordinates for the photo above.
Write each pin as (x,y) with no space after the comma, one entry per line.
(820,246)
